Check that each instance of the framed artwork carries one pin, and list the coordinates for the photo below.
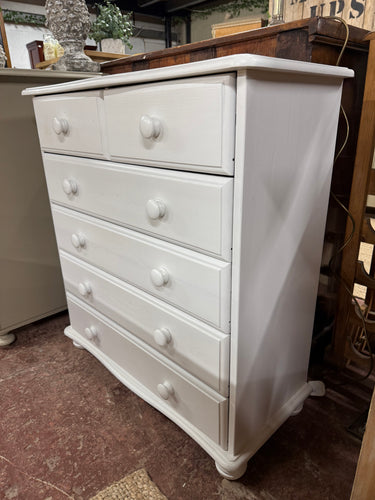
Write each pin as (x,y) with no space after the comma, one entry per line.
(4,41)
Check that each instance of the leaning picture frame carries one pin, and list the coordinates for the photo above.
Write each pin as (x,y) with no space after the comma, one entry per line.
(4,41)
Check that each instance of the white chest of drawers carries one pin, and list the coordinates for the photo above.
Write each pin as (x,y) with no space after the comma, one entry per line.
(189,206)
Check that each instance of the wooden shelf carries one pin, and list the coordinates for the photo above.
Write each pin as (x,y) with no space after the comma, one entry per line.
(95,55)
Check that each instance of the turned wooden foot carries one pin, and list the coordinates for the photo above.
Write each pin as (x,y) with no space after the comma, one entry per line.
(231,472)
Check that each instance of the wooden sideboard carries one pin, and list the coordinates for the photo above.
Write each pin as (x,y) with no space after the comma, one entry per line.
(315,40)
(318,40)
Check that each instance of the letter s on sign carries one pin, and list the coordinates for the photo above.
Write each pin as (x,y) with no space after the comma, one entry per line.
(357,7)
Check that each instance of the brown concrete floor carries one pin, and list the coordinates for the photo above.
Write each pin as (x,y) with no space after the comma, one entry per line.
(68,429)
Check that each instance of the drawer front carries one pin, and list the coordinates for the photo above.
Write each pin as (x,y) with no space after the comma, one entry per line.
(193,345)
(188,208)
(185,124)
(156,381)
(70,123)
(193,282)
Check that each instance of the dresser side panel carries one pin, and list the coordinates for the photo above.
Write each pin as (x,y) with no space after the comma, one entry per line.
(286,130)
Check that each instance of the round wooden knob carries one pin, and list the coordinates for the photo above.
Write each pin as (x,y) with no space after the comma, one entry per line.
(91,333)
(78,240)
(165,390)
(84,289)
(69,186)
(150,127)
(162,336)
(159,276)
(155,209)
(60,126)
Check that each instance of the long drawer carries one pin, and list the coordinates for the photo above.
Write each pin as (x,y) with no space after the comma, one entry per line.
(71,123)
(188,208)
(191,281)
(185,124)
(170,390)
(193,345)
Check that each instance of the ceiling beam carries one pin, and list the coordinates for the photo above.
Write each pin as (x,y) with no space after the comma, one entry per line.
(175,5)
(147,3)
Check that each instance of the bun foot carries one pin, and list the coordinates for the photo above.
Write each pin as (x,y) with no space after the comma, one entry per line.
(6,339)
(232,472)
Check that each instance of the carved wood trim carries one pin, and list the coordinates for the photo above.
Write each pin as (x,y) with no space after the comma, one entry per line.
(368,232)
(362,277)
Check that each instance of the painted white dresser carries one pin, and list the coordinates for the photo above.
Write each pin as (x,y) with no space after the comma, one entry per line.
(189,205)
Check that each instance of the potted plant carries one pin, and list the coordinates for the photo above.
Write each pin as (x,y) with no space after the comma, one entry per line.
(112,28)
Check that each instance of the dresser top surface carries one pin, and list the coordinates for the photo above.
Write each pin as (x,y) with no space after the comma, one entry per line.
(225,64)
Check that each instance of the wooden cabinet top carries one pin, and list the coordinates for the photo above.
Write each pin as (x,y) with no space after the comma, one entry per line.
(299,40)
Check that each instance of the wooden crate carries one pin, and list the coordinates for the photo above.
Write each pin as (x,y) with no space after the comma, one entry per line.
(356,13)
(236,26)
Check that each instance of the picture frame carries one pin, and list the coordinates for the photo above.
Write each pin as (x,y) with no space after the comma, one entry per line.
(4,41)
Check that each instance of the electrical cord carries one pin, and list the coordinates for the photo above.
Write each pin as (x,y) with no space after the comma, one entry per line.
(350,236)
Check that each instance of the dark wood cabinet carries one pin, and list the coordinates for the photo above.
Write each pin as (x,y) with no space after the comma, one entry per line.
(35,50)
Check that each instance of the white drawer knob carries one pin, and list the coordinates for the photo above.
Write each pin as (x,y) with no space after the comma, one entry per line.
(78,240)
(91,333)
(60,126)
(162,336)
(160,276)
(155,209)
(165,390)
(150,127)
(69,186)
(84,289)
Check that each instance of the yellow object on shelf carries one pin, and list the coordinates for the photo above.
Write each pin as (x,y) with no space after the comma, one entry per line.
(59,51)
(48,47)
(51,48)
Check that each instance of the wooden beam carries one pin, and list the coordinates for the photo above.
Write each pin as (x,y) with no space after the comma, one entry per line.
(175,5)
(4,41)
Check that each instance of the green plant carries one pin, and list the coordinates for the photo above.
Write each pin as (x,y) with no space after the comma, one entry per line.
(232,7)
(16,17)
(111,23)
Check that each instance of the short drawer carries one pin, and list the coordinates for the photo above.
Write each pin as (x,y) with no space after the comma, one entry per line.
(193,345)
(186,124)
(160,383)
(70,123)
(188,208)
(196,283)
